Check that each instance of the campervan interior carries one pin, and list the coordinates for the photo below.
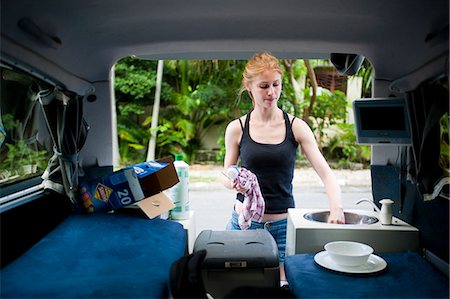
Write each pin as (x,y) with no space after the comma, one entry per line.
(57,99)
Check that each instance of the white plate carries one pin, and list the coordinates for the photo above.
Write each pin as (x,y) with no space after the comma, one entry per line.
(374,264)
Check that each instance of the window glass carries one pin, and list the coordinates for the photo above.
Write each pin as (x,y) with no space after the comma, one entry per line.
(25,144)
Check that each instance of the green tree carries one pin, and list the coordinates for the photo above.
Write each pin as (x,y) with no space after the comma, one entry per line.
(199,94)
(330,110)
(343,147)
(293,89)
(366,73)
(204,96)
(196,95)
(135,80)
(132,135)
(135,87)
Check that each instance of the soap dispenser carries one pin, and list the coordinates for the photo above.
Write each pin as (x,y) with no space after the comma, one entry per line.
(386,211)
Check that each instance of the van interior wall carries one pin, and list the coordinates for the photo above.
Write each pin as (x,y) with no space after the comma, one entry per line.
(430,217)
(100,116)
(390,179)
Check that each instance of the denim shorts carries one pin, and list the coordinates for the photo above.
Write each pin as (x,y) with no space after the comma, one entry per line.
(276,228)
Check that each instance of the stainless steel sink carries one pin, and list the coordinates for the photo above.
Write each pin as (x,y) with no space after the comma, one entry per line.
(350,218)
(308,231)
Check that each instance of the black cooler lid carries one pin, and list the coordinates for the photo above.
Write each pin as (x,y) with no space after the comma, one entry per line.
(237,249)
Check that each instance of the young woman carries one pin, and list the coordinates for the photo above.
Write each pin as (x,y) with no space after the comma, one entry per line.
(266,141)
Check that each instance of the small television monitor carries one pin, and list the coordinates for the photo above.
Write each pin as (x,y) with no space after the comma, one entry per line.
(382,121)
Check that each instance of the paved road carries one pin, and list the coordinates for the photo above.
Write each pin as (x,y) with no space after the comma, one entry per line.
(213,207)
(213,203)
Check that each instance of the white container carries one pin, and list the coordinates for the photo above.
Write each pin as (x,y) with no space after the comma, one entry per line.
(347,253)
(180,192)
(386,211)
(232,172)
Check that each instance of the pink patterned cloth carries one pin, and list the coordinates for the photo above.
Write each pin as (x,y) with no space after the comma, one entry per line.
(253,205)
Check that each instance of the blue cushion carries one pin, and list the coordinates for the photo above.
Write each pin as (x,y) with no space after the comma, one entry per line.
(407,275)
(98,256)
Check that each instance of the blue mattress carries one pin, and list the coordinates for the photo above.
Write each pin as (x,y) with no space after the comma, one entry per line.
(98,256)
(407,275)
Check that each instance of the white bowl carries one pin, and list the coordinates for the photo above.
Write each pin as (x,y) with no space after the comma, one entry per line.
(347,253)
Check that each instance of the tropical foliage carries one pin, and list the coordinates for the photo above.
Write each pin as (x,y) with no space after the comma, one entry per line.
(197,96)
(22,156)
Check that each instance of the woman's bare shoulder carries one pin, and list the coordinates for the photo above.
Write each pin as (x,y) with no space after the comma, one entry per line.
(236,124)
(296,121)
(300,129)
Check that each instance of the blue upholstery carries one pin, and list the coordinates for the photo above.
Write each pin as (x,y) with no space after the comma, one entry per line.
(407,275)
(98,256)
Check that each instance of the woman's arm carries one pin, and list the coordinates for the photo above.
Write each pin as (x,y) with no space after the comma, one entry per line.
(305,138)
(233,134)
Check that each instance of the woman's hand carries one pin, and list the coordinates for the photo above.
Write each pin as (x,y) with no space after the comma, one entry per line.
(336,216)
(239,189)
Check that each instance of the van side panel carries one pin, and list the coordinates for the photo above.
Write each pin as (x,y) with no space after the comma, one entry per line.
(25,225)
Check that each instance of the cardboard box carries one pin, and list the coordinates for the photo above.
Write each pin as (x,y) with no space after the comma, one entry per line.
(156,176)
(142,183)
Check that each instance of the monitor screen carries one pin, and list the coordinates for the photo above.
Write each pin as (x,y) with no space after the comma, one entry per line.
(382,120)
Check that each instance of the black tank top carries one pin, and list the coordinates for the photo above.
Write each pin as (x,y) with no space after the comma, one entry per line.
(273,165)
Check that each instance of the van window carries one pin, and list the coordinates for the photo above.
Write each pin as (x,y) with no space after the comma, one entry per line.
(25,143)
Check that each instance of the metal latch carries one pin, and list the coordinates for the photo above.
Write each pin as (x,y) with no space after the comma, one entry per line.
(236,264)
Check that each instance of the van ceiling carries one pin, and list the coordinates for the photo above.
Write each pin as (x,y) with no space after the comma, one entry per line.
(86,37)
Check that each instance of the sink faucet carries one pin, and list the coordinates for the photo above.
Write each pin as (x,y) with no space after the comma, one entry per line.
(369,201)
(385,213)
